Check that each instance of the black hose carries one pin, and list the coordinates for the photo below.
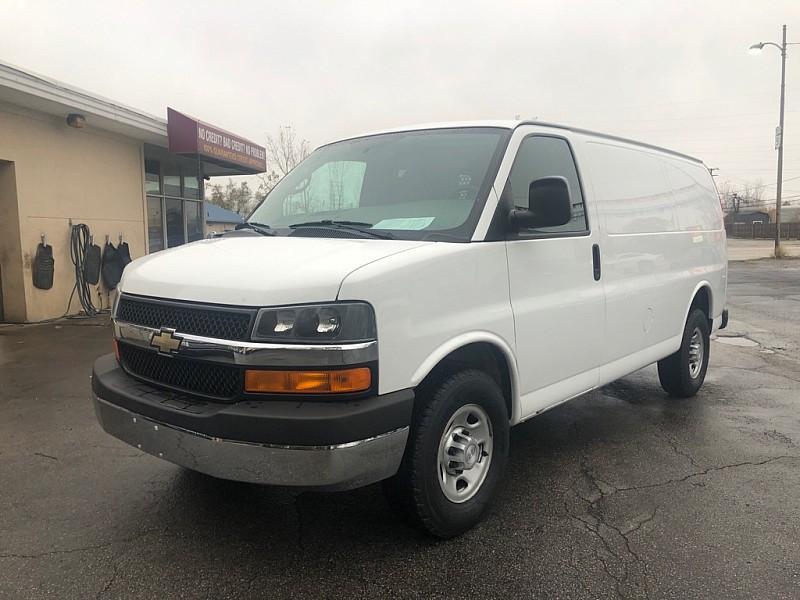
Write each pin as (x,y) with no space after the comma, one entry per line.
(78,243)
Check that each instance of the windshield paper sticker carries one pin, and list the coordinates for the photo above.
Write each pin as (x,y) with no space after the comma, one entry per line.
(411,223)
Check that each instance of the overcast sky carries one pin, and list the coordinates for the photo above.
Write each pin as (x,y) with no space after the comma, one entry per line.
(674,73)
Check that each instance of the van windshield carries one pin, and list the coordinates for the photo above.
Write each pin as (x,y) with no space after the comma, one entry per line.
(428,184)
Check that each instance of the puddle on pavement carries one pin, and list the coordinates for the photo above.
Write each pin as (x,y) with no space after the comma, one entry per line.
(740,341)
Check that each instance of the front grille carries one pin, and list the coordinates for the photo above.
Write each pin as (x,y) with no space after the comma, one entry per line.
(222,323)
(208,379)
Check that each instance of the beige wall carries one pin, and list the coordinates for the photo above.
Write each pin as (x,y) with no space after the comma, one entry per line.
(61,173)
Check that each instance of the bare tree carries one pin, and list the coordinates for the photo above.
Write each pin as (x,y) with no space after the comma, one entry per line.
(215,195)
(337,180)
(237,198)
(284,152)
(757,193)
(748,194)
(266,181)
(725,189)
(242,198)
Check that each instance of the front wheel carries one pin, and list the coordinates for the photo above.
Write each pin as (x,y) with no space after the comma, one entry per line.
(455,455)
(681,374)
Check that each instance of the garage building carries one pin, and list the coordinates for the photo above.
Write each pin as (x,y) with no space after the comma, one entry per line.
(69,157)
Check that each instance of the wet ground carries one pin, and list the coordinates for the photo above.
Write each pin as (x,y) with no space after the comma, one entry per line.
(621,493)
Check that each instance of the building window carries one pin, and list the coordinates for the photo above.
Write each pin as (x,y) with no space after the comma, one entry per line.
(175,233)
(194,221)
(174,206)
(172,185)
(191,182)
(152,177)
(155,224)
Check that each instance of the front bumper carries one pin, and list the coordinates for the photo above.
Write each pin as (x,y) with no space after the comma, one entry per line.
(326,444)
(339,467)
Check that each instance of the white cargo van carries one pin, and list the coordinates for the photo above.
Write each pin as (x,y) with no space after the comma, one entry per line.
(401,299)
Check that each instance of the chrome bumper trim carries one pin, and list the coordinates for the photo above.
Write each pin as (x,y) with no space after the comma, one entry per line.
(255,353)
(340,467)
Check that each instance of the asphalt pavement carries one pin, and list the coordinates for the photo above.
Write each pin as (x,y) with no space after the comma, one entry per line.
(623,492)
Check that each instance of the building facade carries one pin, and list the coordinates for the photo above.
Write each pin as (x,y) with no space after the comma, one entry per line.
(68,157)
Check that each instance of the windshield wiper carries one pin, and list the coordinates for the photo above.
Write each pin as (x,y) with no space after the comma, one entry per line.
(258,227)
(355,226)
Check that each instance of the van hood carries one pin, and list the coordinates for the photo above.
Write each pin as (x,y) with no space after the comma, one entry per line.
(256,271)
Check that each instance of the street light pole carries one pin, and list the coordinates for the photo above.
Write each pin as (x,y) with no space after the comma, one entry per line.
(778,134)
(780,150)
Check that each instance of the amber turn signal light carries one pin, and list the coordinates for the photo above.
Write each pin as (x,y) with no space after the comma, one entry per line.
(307,382)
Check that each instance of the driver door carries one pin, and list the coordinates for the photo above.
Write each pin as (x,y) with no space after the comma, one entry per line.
(558,305)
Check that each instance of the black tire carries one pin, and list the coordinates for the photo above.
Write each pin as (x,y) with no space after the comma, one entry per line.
(415,490)
(679,376)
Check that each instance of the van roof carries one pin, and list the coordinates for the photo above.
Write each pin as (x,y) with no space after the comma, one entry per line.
(513,124)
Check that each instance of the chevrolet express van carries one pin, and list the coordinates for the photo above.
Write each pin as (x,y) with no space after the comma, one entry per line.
(401,299)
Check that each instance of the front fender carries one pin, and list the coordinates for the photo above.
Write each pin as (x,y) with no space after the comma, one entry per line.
(473,337)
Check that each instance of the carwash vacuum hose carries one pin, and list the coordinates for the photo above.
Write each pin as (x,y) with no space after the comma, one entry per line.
(79,243)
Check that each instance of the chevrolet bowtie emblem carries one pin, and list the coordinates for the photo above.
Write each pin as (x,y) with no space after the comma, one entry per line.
(166,341)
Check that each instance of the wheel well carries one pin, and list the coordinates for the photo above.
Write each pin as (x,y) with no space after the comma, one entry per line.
(479,355)
(702,300)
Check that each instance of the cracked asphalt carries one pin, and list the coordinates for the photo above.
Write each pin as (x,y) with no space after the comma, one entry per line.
(622,493)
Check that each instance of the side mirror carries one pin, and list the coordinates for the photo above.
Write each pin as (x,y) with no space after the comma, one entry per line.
(549,205)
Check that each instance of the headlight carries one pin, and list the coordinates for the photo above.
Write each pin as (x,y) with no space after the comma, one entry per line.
(339,322)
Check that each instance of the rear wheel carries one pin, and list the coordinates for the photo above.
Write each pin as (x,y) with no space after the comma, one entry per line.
(455,456)
(682,374)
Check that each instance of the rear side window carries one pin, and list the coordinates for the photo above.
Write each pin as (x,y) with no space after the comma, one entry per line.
(543,156)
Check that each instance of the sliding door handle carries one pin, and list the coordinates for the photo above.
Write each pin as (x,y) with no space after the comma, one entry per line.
(596,262)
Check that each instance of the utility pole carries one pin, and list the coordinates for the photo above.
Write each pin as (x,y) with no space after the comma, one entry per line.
(779,143)
(778,133)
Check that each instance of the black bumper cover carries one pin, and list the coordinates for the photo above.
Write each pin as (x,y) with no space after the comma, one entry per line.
(268,421)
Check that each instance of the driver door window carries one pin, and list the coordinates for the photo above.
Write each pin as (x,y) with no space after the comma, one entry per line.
(544,156)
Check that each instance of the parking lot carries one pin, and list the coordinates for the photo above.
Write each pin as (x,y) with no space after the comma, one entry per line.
(621,493)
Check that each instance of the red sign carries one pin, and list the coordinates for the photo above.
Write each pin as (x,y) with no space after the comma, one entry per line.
(187,135)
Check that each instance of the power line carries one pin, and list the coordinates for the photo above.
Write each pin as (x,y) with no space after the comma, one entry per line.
(784,181)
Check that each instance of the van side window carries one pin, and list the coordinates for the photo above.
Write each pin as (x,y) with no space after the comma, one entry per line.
(542,156)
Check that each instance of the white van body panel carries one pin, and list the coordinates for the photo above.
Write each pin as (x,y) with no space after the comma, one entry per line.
(255,271)
(660,245)
(432,300)
(576,263)
(654,214)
